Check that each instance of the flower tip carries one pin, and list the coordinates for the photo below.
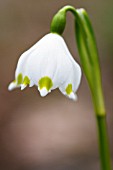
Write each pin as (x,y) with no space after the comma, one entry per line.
(43,92)
(31,84)
(11,86)
(23,86)
(73,96)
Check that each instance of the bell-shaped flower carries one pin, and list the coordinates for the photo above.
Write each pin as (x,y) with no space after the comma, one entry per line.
(48,65)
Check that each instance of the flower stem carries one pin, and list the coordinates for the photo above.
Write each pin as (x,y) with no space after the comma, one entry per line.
(103,143)
(88,52)
(90,61)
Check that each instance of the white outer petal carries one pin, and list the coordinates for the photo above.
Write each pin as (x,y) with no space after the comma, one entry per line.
(22,62)
(21,66)
(23,86)
(43,92)
(73,96)
(74,78)
(12,86)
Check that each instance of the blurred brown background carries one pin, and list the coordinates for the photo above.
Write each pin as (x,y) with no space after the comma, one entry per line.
(51,133)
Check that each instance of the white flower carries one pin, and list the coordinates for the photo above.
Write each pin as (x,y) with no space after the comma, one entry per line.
(48,65)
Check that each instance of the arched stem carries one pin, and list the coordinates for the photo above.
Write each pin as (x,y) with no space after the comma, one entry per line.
(88,52)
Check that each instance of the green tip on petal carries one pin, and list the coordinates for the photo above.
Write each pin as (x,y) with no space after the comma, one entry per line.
(69,89)
(26,80)
(14,81)
(19,79)
(70,92)
(45,82)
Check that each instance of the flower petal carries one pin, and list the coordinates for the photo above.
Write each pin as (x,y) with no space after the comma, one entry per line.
(68,92)
(44,85)
(12,86)
(23,86)
(31,83)
(22,64)
(73,96)
(43,91)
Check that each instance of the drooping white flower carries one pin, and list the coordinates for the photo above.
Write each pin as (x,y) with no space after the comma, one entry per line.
(48,65)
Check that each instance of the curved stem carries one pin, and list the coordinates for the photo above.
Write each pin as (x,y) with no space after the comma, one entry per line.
(90,63)
(88,50)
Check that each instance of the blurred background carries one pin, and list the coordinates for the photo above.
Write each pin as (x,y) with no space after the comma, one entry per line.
(51,133)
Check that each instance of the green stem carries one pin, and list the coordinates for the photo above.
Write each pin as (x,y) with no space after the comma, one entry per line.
(90,55)
(88,52)
(103,143)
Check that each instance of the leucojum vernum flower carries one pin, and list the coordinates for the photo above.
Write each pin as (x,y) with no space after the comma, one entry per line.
(49,65)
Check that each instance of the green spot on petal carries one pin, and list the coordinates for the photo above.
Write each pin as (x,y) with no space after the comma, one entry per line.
(19,79)
(45,82)
(69,89)
(26,80)
(14,81)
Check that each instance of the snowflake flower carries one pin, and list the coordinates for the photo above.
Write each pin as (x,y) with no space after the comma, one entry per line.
(48,65)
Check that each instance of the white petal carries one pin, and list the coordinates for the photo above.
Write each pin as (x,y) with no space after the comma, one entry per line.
(23,86)
(43,92)
(76,76)
(12,86)
(31,83)
(47,59)
(73,96)
(73,78)
(22,64)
